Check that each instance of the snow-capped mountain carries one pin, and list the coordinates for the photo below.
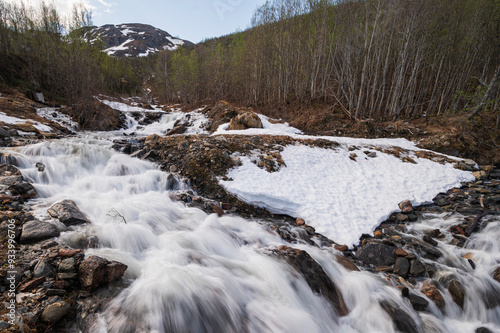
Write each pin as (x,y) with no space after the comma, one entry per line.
(133,39)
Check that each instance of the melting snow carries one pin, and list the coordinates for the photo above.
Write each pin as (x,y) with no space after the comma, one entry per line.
(14,121)
(62,119)
(120,47)
(341,198)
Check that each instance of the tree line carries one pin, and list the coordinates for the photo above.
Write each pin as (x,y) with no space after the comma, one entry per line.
(378,59)
(44,51)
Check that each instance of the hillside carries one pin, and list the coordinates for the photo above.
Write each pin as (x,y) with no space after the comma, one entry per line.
(133,39)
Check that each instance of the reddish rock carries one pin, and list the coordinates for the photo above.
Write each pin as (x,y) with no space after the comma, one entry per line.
(496,274)
(433,293)
(216,209)
(400,252)
(341,248)
(406,206)
(116,270)
(347,263)
(55,312)
(300,222)
(245,120)
(60,285)
(457,292)
(227,206)
(66,252)
(95,272)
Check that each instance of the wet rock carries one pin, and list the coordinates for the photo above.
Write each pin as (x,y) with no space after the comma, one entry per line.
(40,167)
(25,190)
(245,120)
(377,254)
(216,209)
(44,269)
(173,169)
(300,222)
(30,285)
(402,320)
(417,268)
(429,240)
(401,267)
(347,263)
(7,170)
(483,330)
(67,266)
(314,275)
(418,303)
(55,312)
(402,217)
(95,272)
(400,252)
(496,274)
(472,263)
(172,183)
(68,213)
(406,206)
(34,231)
(68,252)
(457,292)
(433,293)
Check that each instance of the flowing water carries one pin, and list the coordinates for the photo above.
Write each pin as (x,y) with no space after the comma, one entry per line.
(193,272)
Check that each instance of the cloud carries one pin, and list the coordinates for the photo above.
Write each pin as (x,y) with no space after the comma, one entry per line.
(107,4)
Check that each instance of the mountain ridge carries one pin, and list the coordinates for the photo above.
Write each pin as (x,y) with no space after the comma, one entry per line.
(133,39)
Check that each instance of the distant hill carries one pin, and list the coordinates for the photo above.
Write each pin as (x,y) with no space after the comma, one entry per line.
(133,39)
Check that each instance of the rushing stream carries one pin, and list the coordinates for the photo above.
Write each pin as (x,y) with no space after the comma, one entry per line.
(193,272)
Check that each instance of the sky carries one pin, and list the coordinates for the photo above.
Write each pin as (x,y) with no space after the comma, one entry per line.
(193,20)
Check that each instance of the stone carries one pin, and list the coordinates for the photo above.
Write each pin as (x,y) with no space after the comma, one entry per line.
(67,276)
(68,213)
(314,275)
(216,209)
(152,139)
(480,175)
(95,272)
(34,231)
(30,285)
(418,303)
(44,269)
(496,274)
(11,180)
(402,217)
(457,292)
(402,320)
(67,266)
(7,170)
(341,248)
(377,254)
(401,267)
(245,120)
(483,330)
(40,167)
(68,252)
(400,252)
(346,263)
(433,293)
(417,268)
(173,169)
(55,312)
(469,162)
(406,206)
(300,222)
(25,190)
(429,240)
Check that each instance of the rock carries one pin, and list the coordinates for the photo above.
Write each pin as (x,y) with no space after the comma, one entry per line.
(30,285)
(418,303)
(216,209)
(173,169)
(469,162)
(67,252)
(25,190)
(457,292)
(34,231)
(346,263)
(496,274)
(152,139)
(314,275)
(480,175)
(172,183)
(429,240)
(95,272)
(377,254)
(40,167)
(68,213)
(433,293)
(406,206)
(7,170)
(483,330)
(55,312)
(300,222)
(400,252)
(403,321)
(67,266)
(341,248)
(44,269)
(417,268)
(245,120)
(11,180)
(401,267)
(402,217)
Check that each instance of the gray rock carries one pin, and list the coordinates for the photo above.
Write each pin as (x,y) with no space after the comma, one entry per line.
(67,266)
(11,180)
(68,213)
(95,272)
(4,325)
(55,312)
(457,292)
(377,254)
(417,268)
(403,321)
(43,268)
(25,190)
(34,231)
(418,303)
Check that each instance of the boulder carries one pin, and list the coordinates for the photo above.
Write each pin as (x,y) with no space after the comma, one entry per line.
(402,320)
(67,266)
(95,272)
(401,267)
(314,275)
(245,120)
(11,180)
(457,292)
(406,206)
(44,269)
(34,231)
(25,190)
(377,254)
(496,274)
(68,213)
(433,293)
(417,268)
(9,170)
(418,303)
(55,312)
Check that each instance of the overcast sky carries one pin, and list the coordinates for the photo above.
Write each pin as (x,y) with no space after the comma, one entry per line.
(193,20)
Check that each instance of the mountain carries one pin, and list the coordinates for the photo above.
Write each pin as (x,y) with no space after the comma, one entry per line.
(133,39)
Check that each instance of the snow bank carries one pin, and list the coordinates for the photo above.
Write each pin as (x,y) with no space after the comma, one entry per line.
(341,198)
(14,121)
